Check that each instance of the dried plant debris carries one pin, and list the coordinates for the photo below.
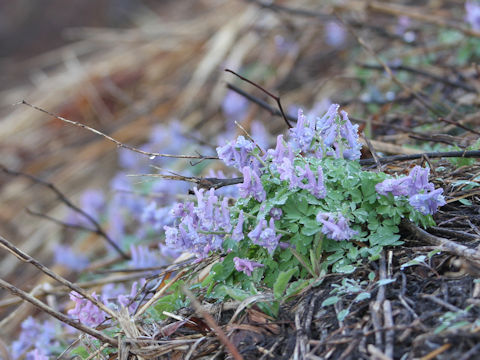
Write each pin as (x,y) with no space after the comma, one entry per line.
(176,211)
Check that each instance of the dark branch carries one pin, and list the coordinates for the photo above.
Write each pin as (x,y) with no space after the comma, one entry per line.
(98,229)
(277,98)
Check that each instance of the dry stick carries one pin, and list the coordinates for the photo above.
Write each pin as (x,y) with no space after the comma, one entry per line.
(388,323)
(58,315)
(58,222)
(158,294)
(213,325)
(446,154)
(98,229)
(443,244)
(277,98)
(28,259)
(461,126)
(151,155)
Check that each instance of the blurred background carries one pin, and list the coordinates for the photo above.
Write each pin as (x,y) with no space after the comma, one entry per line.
(151,74)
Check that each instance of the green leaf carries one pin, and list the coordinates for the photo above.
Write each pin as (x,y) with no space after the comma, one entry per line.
(343,314)
(236,293)
(80,351)
(362,296)
(282,282)
(345,269)
(330,301)
(385,282)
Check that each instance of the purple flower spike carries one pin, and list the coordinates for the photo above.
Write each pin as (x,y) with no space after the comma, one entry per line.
(301,135)
(397,187)
(246,266)
(265,236)
(276,213)
(278,153)
(237,234)
(335,227)
(287,172)
(428,203)
(252,185)
(472,16)
(237,154)
(419,180)
(269,238)
(85,311)
(254,235)
(350,133)
(327,126)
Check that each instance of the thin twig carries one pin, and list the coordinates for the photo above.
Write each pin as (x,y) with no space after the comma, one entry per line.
(151,155)
(213,325)
(277,98)
(98,229)
(58,315)
(447,154)
(28,259)
(443,244)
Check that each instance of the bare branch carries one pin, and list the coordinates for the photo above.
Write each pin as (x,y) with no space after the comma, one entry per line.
(151,155)
(98,229)
(28,259)
(58,315)
(277,98)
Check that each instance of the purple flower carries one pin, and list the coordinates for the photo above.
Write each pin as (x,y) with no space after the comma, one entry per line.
(327,125)
(252,185)
(415,183)
(65,256)
(419,180)
(234,105)
(157,217)
(397,187)
(260,134)
(350,133)
(428,203)
(182,209)
(246,266)
(276,213)
(302,134)
(142,257)
(237,233)
(334,34)
(313,185)
(237,154)
(85,311)
(335,226)
(40,335)
(168,252)
(472,9)
(277,154)
(265,236)
(287,172)
(36,354)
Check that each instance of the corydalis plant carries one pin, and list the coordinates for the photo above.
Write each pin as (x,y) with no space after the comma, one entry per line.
(302,204)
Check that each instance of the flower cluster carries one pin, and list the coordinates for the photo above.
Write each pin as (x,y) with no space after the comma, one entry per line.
(202,226)
(333,131)
(85,311)
(238,153)
(40,335)
(335,226)
(421,194)
(246,266)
